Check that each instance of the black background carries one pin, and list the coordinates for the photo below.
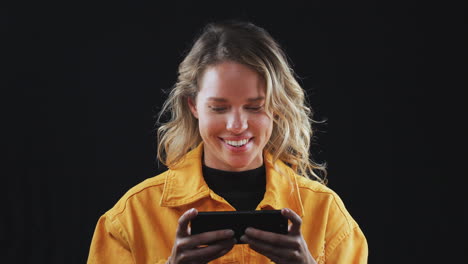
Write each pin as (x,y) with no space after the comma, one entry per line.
(81,86)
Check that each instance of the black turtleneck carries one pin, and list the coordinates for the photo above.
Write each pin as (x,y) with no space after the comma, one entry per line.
(244,190)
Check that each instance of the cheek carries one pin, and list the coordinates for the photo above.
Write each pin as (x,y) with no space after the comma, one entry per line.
(263,125)
(209,125)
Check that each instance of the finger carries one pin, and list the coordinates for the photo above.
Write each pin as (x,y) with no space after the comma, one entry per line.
(272,251)
(279,240)
(208,253)
(208,238)
(218,249)
(184,220)
(296,221)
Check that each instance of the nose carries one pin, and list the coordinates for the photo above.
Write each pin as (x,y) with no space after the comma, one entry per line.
(237,122)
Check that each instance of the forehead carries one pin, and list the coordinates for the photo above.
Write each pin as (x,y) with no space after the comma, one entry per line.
(231,81)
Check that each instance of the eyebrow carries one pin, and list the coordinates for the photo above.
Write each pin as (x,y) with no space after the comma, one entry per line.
(223,100)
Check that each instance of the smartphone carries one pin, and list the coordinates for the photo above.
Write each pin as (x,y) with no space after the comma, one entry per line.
(238,221)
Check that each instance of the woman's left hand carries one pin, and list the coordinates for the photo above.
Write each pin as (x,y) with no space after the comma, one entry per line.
(279,248)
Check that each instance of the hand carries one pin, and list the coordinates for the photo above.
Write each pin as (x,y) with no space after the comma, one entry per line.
(279,248)
(188,249)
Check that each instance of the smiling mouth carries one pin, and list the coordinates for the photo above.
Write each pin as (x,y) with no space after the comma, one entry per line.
(237,143)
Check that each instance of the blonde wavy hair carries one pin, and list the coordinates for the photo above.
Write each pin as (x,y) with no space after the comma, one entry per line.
(248,44)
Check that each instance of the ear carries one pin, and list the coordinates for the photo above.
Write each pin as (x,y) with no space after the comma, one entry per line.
(193,107)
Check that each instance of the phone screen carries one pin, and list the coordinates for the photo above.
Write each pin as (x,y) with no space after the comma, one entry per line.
(238,221)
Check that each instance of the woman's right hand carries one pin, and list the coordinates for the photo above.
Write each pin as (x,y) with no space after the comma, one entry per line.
(187,248)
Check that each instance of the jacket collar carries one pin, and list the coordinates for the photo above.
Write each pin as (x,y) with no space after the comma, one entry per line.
(184,184)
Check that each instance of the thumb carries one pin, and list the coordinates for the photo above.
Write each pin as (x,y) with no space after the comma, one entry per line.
(184,220)
(296,221)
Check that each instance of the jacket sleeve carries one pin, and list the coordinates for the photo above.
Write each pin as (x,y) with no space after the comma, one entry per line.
(109,243)
(352,248)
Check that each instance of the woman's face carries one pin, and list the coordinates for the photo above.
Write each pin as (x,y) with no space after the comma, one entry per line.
(231,117)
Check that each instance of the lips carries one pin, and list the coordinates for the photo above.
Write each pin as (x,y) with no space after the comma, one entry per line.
(237,143)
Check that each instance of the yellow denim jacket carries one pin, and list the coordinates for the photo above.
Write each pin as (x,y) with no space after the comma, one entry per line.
(141,227)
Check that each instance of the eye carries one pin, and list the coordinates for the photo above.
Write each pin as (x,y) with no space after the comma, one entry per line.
(217,109)
(255,108)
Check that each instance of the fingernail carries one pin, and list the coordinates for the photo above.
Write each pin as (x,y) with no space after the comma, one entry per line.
(229,233)
(248,230)
(243,238)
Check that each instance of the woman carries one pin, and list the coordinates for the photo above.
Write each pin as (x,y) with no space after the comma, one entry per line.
(238,139)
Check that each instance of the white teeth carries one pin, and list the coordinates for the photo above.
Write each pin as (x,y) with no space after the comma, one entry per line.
(239,143)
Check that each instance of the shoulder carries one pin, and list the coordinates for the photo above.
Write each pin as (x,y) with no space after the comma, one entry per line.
(149,190)
(324,209)
(310,187)
(315,194)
